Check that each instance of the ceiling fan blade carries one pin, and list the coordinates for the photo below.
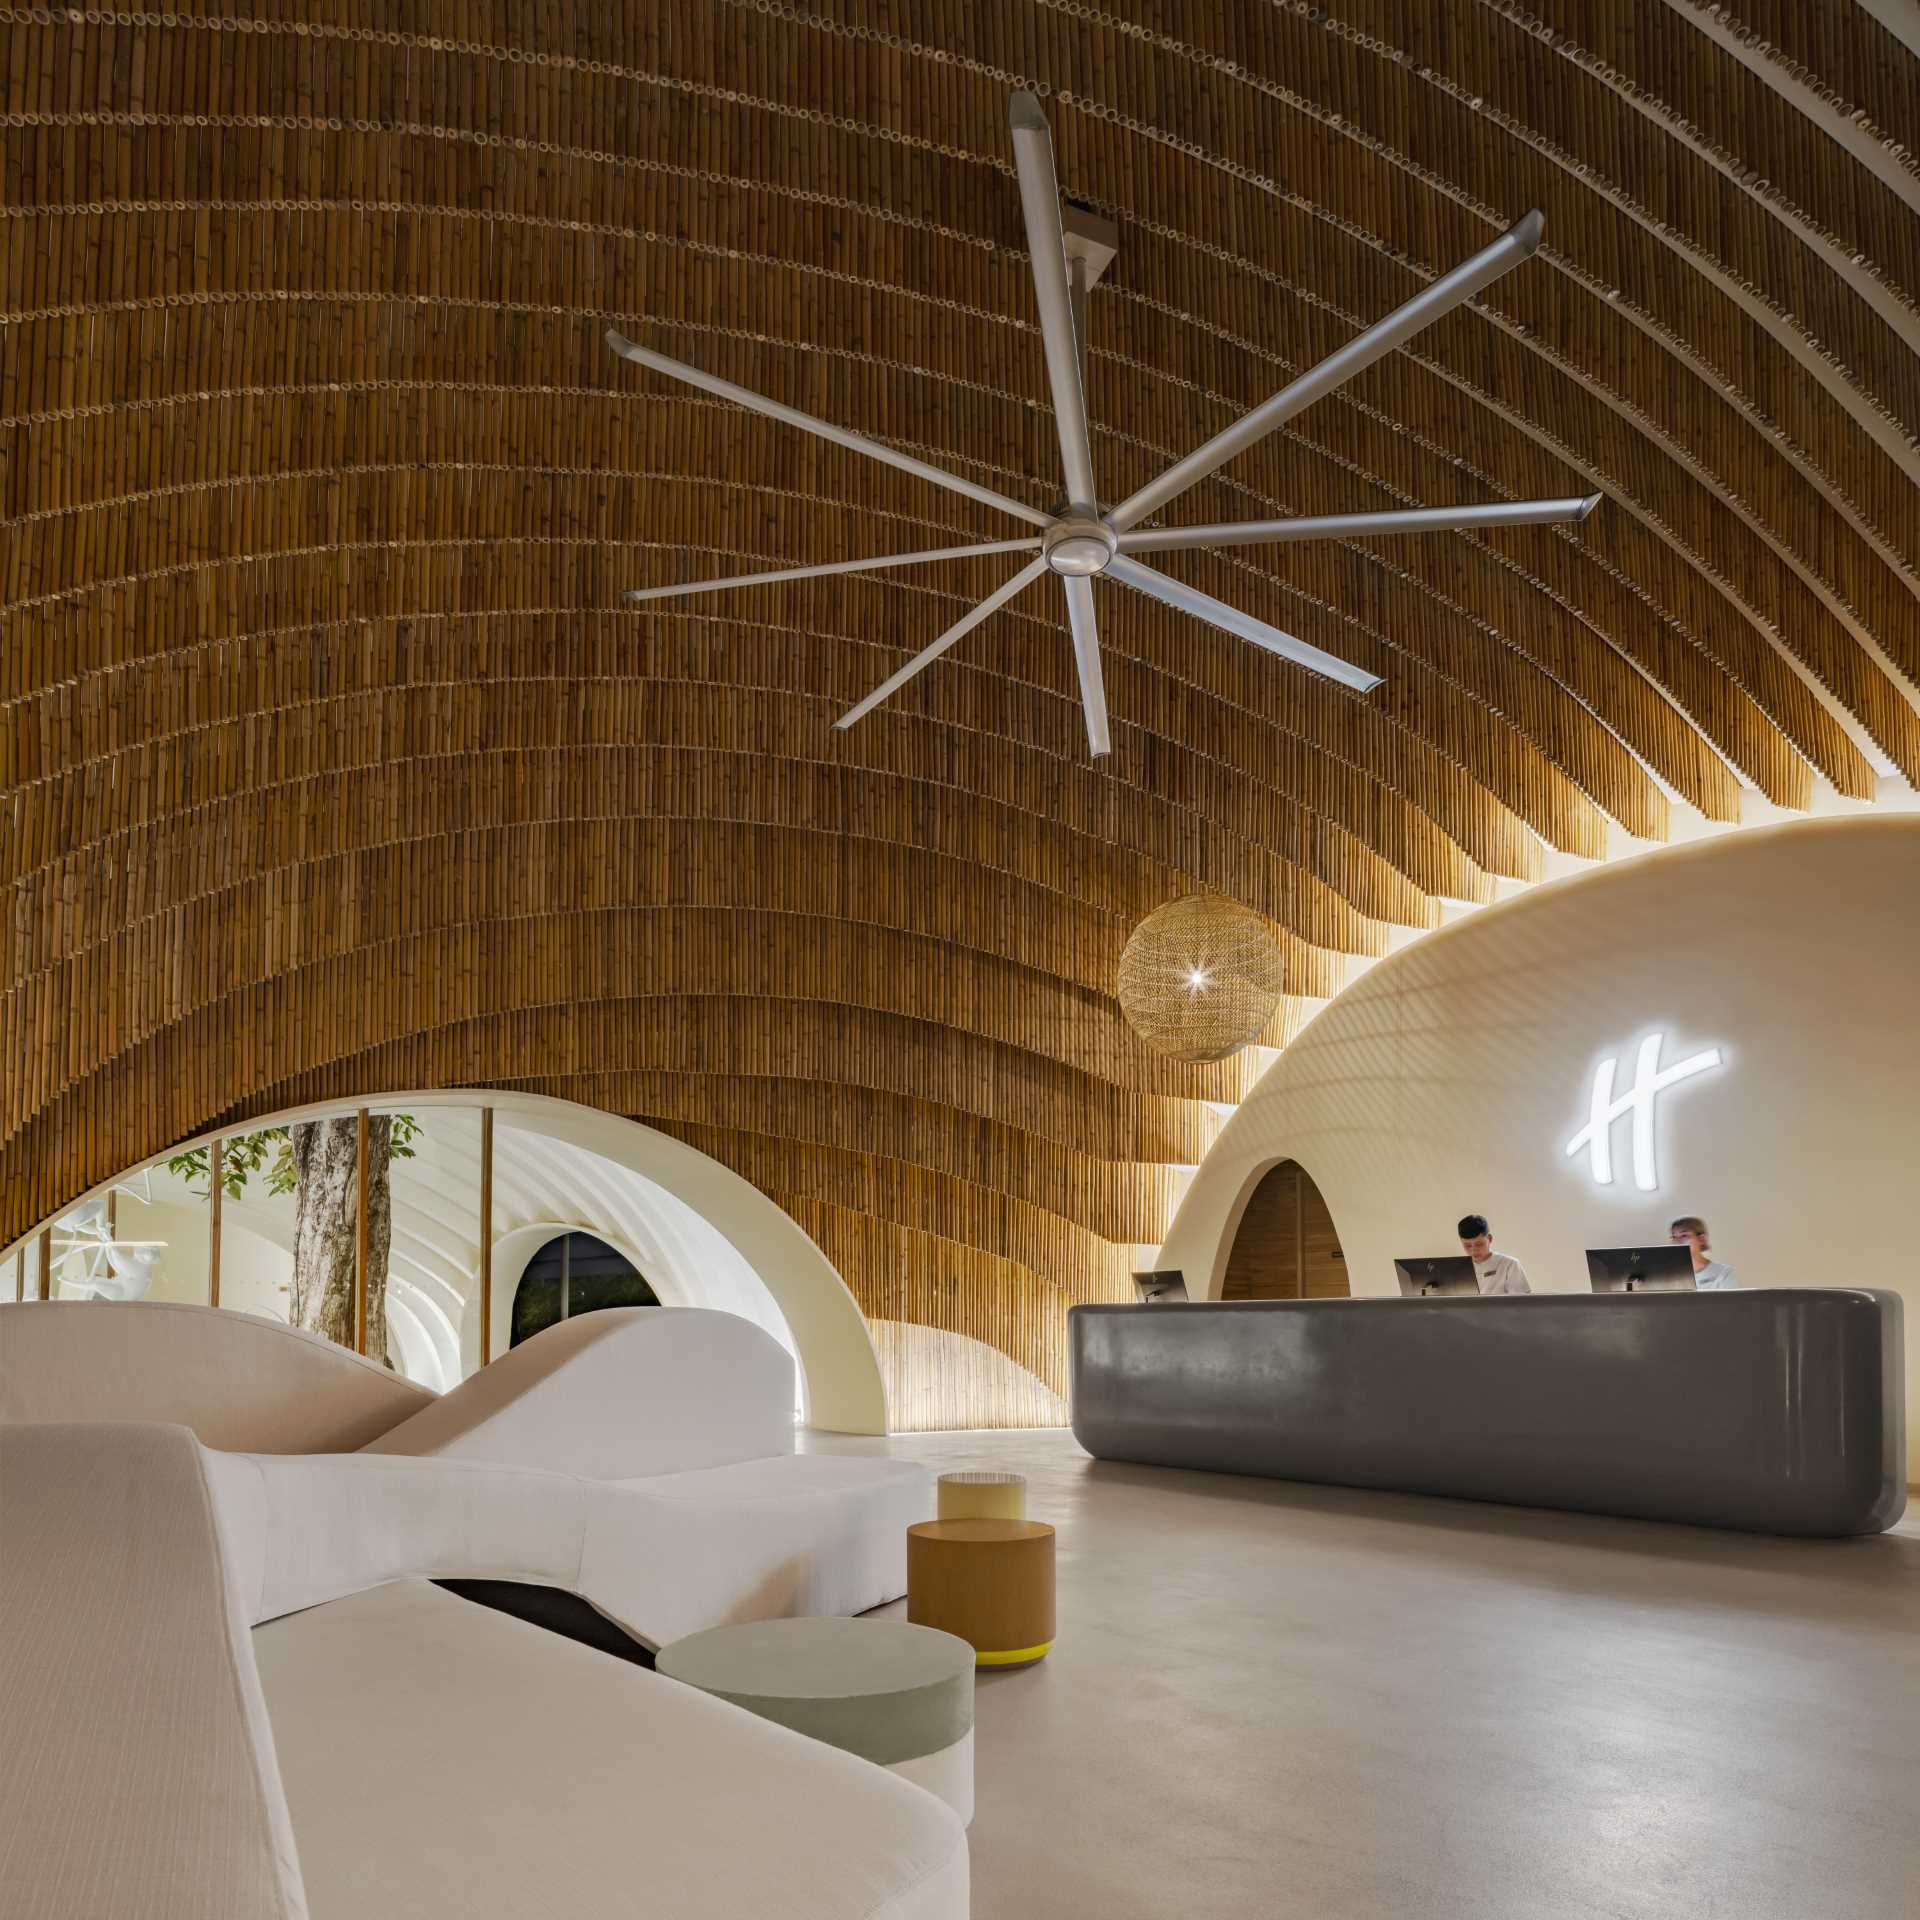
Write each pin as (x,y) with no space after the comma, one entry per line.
(928,655)
(1449,291)
(831,566)
(1046,243)
(1203,606)
(1086,656)
(726,390)
(1360,526)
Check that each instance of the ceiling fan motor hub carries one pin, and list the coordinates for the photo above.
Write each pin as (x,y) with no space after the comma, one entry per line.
(1078,545)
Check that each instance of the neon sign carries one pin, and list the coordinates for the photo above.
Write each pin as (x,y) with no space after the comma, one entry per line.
(1650,1080)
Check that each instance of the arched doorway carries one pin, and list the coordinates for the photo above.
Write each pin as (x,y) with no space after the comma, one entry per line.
(575,1273)
(1286,1248)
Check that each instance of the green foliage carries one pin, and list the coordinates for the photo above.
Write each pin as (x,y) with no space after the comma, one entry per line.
(241,1156)
(270,1152)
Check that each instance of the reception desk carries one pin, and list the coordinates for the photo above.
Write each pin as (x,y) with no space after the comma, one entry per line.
(1772,1411)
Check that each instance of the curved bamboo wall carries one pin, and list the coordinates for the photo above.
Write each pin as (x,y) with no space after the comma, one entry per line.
(333,761)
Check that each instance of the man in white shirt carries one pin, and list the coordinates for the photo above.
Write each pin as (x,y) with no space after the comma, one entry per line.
(1709,1275)
(1496,1272)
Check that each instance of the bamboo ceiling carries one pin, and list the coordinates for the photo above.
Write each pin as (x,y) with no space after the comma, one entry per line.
(333,762)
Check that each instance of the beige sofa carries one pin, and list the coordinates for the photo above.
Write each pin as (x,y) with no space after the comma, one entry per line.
(394,1752)
(641,1458)
(233,1689)
(237,1380)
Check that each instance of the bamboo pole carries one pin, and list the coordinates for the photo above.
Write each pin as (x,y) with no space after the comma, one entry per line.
(486,1235)
(360,1236)
(216,1192)
(46,1263)
(1537,684)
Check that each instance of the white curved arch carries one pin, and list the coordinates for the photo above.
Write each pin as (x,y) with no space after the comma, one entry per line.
(702,1235)
(417,1359)
(545,1185)
(437,1309)
(1211,1284)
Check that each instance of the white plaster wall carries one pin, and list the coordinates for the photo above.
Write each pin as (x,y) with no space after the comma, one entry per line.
(1450,1078)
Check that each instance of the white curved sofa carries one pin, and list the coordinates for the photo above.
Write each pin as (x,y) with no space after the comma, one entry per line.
(624,1392)
(641,1458)
(660,1556)
(397,1752)
(236,1379)
(407,1740)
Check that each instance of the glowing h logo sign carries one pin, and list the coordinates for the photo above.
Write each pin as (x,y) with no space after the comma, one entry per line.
(1650,1078)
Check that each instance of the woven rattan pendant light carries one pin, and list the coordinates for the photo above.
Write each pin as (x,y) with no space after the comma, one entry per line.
(1200,978)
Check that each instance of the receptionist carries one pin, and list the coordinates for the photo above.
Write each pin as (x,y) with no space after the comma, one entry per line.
(1709,1275)
(1496,1272)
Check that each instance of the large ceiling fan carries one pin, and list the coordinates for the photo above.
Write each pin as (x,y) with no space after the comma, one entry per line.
(1081,541)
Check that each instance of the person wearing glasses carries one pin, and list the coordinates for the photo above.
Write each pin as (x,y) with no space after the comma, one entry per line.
(1709,1275)
(1496,1272)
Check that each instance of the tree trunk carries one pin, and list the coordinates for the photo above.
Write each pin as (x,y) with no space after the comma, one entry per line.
(379,1231)
(326,1228)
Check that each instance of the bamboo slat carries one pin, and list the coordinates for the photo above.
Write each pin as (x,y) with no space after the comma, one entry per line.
(332,763)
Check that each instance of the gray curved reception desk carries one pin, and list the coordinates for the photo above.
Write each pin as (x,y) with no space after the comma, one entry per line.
(1773,1411)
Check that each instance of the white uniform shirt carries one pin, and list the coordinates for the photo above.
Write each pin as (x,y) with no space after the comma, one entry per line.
(1501,1273)
(1715,1277)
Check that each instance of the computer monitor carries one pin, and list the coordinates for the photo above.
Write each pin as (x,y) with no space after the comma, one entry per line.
(1662,1269)
(1442,1273)
(1160,1287)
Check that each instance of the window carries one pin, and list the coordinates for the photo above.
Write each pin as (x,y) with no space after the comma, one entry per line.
(574,1274)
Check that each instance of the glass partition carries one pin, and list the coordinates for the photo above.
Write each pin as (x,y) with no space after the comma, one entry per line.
(145,1239)
(258,1222)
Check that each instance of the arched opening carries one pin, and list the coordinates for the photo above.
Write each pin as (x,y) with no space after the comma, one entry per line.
(699,1235)
(1286,1248)
(575,1273)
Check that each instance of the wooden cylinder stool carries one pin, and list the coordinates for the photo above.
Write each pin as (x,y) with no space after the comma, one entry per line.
(989,1581)
(983,1496)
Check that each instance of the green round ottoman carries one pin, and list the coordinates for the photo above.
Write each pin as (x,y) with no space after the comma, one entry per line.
(898,1695)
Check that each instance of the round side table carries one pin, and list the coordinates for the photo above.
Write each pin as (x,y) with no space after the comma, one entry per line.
(901,1696)
(989,1581)
(983,1496)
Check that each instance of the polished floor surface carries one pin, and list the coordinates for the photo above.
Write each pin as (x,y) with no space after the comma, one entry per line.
(1303,1701)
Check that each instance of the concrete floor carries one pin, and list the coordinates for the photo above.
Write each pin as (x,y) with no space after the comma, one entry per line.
(1292,1700)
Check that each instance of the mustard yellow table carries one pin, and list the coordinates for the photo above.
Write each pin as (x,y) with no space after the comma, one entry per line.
(989,1581)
